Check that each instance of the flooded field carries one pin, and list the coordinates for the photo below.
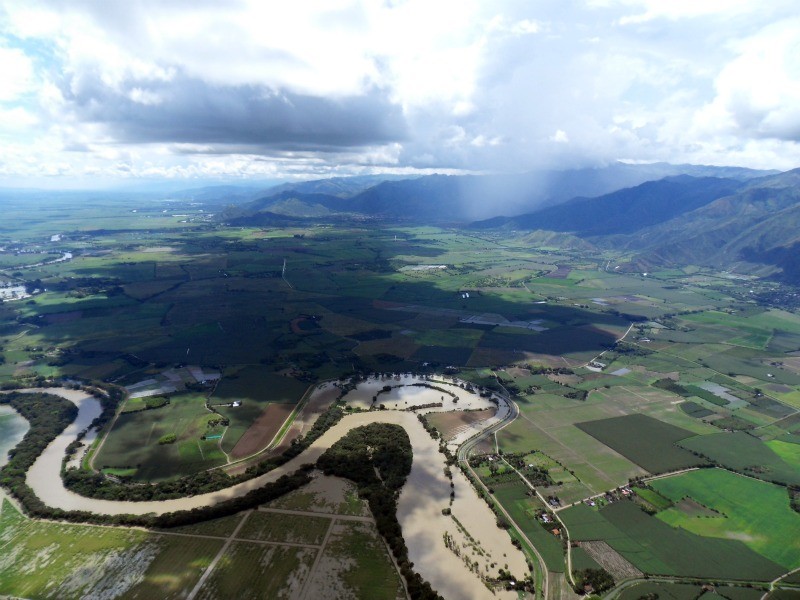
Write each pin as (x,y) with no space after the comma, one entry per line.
(451,551)
(409,391)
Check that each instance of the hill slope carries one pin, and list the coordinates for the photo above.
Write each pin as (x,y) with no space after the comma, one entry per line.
(624,211)
(461,199)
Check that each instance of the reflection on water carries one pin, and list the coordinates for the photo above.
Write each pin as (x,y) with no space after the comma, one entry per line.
(426,493)
(12,429)
(406,392)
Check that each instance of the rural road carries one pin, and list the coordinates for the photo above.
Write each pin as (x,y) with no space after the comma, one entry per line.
(426,492)
(463,458)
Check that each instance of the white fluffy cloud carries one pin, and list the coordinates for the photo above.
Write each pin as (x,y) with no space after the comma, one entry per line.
(207,89)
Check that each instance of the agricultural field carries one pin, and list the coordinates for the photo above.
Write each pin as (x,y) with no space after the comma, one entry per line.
(656,548)
(329,550)
(255,389)
(279,527)
(757,513)
(524,509)
(55,560)
(249,570)
(355,564)
(649,443)
(451,423)
(324,495)
(746,454)
(136,440)
(687,591)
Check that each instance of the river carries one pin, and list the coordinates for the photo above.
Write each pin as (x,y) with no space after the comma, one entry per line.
(12,429)
(425,494)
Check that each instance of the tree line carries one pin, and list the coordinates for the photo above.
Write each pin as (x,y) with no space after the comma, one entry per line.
(377,458)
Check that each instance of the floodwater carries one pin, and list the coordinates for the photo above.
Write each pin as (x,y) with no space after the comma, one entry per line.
(12,429)
(426,493)
(404,394)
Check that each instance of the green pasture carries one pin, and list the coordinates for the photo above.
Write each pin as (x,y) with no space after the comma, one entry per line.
(133,441)
(646,441)
(746,454)
(755,512)
(656,548)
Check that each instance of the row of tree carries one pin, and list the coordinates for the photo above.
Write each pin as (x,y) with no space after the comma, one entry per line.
(96,485)
(49,415)
(377,458)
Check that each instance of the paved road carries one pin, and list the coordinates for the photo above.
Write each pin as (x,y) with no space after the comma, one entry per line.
(463,458)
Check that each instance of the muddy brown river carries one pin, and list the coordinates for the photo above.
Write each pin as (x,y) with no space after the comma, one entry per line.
(425,494)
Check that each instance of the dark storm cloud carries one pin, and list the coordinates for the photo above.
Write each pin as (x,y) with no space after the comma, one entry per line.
(189,111)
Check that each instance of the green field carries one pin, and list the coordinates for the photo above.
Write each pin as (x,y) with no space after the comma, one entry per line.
(281,527)
(659,549)
(755,512)
(744,453)
(133,442)
(44,559)
(644,440)
(522,509)
(686,591)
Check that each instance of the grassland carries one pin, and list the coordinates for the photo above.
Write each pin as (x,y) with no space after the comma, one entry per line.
(746,454)
(757,513)
(659,549)
(644,440)
(134,440)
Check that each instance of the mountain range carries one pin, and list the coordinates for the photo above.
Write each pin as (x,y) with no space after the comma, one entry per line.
(660,215)
(748,226)
(457,200)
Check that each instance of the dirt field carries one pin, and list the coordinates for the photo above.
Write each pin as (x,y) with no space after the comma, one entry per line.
(450,424)
(318,403)
(560,273)
(260,433)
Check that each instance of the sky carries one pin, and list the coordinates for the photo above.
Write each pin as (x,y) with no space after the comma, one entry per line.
(98,92)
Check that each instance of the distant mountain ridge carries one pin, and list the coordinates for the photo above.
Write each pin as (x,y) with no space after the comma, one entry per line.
(460,199)
(623,211)
(749,226)
(757,225)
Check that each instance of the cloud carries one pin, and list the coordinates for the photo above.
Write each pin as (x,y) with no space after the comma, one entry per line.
(250,88)
(758,93)
(16,74)
(190,111)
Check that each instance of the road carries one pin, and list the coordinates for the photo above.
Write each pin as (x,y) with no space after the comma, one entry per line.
(463,458)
